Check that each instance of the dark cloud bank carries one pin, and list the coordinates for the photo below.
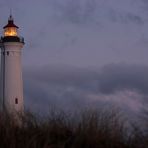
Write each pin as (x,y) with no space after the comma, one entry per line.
(74,88)
(93,11)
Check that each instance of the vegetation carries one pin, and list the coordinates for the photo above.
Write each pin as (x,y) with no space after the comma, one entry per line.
(89,129)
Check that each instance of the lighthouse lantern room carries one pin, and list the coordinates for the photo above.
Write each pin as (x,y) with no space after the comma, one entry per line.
(10,29)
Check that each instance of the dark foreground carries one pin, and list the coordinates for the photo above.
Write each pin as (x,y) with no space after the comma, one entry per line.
(89,129)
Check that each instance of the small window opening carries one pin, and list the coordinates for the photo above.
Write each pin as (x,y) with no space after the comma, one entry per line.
(7,52)
(3,53)
(16,100)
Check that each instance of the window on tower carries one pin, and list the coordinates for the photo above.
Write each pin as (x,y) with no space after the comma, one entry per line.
(16,100)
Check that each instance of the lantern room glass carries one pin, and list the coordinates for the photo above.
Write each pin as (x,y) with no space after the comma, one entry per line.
(10,31)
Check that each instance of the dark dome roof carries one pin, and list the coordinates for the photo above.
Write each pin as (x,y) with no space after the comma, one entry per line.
(10,23)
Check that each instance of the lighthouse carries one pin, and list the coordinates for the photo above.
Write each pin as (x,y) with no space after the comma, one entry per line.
(11,83)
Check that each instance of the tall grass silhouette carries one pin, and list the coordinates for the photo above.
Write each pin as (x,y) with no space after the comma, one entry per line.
(87,129)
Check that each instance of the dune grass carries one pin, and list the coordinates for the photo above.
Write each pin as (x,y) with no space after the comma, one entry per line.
(88,129)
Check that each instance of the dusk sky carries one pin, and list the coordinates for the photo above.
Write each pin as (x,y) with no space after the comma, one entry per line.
(83,53)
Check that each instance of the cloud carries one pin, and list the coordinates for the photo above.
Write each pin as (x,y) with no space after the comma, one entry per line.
(77,12)
(93,11)
(119,77)
(125,17)
(74,88)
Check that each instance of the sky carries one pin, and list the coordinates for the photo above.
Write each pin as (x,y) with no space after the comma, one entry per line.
(83,53)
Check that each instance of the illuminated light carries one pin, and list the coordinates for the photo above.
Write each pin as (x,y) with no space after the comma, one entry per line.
(10,31)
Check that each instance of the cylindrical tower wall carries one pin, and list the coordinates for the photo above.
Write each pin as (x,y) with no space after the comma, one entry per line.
(12,71)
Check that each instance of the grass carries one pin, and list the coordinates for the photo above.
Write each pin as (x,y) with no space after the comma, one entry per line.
(89,129)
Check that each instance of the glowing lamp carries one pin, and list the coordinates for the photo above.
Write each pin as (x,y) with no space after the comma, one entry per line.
(10,29)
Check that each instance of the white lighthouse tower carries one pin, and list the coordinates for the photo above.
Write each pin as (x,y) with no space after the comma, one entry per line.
(11,70)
